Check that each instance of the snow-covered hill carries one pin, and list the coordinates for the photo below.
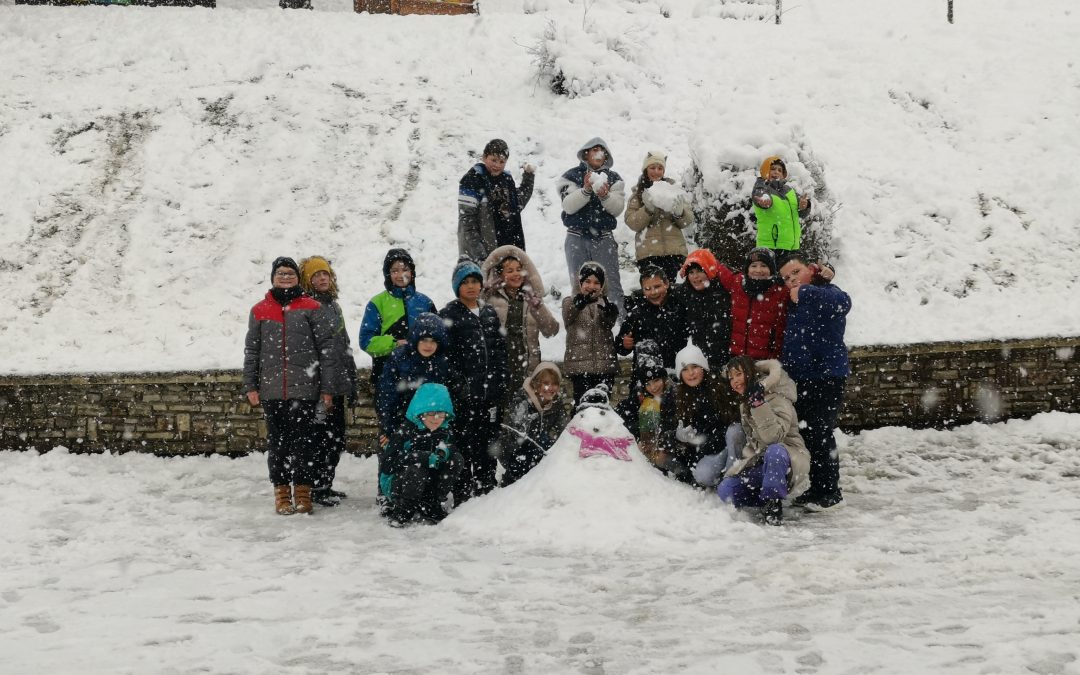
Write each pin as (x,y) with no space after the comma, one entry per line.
(156,160)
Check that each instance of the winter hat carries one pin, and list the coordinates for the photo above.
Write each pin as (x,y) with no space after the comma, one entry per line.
(597,397)
(761,254)
(690,355)
(283,261)
(591,269)
(654,157)
(308,268)
(392,256)
(648,367)
(465,268)
(767,164)
(704,259)
(430,397)
(497,146)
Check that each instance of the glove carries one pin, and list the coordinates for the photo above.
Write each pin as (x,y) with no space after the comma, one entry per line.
(439,456)
(685,434)
(534,300)
(678,205)
(755,395)
(581,301)
(647,201)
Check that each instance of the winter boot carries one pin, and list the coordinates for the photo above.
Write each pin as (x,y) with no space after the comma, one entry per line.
(324,497)
(303,498)
(283,500)
(773,512)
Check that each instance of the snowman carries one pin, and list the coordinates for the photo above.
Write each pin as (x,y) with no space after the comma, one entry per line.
(598,428)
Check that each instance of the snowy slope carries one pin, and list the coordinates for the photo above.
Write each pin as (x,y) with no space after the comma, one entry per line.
(155,160)
(957,554)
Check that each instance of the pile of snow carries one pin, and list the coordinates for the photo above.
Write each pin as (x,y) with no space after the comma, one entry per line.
(158,159)
(596,503)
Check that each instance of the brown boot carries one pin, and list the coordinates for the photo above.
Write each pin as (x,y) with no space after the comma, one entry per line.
(283,500)
(303,499)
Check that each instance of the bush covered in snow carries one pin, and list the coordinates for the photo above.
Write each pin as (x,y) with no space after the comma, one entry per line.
(576,61)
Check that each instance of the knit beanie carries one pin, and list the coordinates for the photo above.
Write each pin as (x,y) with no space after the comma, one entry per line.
(308,268)
(648,367)
(465,268)
(591,269)
(763,255)
(767,164)
(283,261)
(690,355)
(392,256)
(654,157)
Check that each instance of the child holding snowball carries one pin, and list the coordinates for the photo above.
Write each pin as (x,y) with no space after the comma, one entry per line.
(658,212)
(592,197)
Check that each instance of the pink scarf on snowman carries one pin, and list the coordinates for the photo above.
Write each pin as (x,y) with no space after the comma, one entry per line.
(601,445)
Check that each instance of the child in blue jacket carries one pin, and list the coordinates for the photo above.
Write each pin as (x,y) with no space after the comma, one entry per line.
(816,358)
(421,466)
(423,359)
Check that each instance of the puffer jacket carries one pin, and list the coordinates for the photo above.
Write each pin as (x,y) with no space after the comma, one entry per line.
(665,325)
(538,321)
(584,213)
(341,345)
(814,336)
(774,421)
(289,351)
(477,352)
(406,370)
(708,320)
(658,232)
(757,321)
(589,348)
(480,230)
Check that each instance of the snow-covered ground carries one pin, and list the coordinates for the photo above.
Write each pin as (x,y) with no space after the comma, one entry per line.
(156,160)
(957,554)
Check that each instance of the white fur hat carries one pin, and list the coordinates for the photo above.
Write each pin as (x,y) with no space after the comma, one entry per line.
(690,355)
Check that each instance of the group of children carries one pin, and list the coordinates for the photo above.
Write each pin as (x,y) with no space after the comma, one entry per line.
(756,353)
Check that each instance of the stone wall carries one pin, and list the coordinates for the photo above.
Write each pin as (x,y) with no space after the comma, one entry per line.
(939,384)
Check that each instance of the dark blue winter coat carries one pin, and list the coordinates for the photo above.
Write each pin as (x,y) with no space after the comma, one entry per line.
(814,336)
(406,370)
(477,353)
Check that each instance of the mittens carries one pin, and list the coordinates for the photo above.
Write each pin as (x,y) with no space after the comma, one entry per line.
(755,395)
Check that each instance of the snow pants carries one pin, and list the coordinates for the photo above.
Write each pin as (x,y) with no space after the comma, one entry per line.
(586,381)
(328,437)
(818,406)
(419,488)
(580,250)
(475,434)
(290,455)
(768,479)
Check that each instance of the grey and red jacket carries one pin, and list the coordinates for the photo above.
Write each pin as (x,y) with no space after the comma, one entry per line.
(289,351)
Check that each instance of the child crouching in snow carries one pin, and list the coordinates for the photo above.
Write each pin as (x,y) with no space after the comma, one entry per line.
(422,465)
(534,421)
(641,409)
(775,463)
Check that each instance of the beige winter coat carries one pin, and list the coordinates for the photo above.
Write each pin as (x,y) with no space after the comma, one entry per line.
(775,421)
(658,232)
(590,347)
(538,319)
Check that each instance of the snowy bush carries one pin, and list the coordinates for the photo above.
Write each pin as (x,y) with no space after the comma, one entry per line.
(577,61)
(722,179)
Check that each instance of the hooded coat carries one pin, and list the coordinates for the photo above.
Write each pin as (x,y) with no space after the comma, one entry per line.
(389,314)
(536,320)
(774,421)
(342,346)
(778,226)
(476,349)
(814,335)
(584,213)
(708,311)
(757,319)
(406,370)
(589,349)
(530,428)
(663,324)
